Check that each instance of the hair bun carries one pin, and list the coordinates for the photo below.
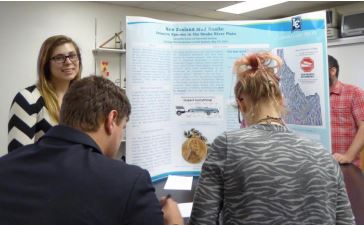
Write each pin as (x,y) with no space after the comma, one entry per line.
(256,61)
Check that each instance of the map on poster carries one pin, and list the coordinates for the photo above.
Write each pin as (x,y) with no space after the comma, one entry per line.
(301,89)
(180,84)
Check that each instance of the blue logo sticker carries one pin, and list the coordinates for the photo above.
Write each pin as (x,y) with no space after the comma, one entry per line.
(296,23)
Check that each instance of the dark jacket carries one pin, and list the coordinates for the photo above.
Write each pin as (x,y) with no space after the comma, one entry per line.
(64,179)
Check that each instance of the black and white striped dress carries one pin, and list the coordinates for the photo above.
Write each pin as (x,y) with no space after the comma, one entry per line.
(28,118)
(265,174)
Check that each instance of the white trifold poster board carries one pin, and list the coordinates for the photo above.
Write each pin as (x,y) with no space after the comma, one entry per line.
(179,76)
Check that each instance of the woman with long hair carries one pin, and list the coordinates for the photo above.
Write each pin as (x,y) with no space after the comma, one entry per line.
(36,108)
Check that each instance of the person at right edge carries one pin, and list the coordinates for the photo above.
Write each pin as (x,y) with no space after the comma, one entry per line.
(265,173)
(347,117)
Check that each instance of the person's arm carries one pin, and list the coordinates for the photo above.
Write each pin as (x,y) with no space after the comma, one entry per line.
(171,213)
(344,213)
(22,120)
(208,199)
(143,205)
(356,146)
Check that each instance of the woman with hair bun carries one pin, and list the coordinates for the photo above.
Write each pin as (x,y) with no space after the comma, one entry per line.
(264,173)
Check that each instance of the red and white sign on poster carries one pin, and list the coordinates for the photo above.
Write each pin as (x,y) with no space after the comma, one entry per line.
(307,64)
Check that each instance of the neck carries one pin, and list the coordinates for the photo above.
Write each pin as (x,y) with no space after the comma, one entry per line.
(271,120)
(267,109)
(100,139)
(61,87)
(333,82)
(268,115)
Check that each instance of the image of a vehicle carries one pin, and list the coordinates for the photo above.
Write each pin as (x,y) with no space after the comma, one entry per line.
(180,110)
(206,110)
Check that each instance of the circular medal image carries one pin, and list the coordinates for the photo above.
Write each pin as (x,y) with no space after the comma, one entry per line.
(194,150)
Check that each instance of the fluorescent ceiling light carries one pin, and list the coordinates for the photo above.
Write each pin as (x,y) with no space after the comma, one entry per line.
(249,6)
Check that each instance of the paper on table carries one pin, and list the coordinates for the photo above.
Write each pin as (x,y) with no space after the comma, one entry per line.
(185,209)
(178,183)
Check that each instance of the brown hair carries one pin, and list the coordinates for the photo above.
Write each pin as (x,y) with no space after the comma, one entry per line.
(88,102)
(44,72)
(256,78)
(333,63)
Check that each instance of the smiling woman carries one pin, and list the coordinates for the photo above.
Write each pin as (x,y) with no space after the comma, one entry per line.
(36,108)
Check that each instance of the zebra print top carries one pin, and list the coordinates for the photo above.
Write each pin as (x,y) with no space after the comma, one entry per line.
(28,118)
(265,174)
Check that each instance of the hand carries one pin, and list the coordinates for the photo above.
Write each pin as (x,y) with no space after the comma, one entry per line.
(343,158)
(171,214)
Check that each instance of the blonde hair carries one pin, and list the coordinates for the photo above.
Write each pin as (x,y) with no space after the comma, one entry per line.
(44,85)
(256,78)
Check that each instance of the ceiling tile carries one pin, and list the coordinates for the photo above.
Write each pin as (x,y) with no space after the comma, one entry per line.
(206,5)
(160,6)
(206,9)
(126,3)
(188,10)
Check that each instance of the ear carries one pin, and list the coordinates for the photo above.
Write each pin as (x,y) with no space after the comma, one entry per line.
(241,105)
(110,122)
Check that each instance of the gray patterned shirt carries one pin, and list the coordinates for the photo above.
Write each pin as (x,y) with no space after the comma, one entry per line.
(266,174)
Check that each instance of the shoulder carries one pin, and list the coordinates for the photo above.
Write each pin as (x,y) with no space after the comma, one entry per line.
(123,178)
(310,144)
(31,90)
(311,151)
(133,169)
(112,168)
(13,156)
(29,100)
(93,167)
(233,137)
(248,133)
(29,95)
(354,89)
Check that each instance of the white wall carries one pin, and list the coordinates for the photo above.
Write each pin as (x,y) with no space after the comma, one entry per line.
(351,62)
(25,25)
(350,57)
